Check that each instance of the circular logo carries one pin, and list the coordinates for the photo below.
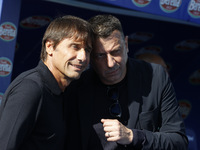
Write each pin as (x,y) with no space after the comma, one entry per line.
(185,108)
(194,8)
(35,21)
(141,3)
(8,31)
(5,66)
(195,78)
(152,49)
(170,6)
(139,37)
(188,45)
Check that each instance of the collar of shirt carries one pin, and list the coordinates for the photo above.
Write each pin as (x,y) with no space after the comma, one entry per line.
(48,79)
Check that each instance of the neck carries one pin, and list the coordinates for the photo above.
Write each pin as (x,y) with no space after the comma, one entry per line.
(62,80)
(63,83)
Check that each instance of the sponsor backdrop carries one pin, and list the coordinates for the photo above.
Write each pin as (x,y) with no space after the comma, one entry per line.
(177,43)
(188,10)
(9,17)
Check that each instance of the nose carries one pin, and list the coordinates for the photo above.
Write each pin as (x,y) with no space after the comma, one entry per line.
(81,56)
(110,61)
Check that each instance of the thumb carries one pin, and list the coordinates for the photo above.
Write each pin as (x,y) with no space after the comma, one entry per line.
(103,120)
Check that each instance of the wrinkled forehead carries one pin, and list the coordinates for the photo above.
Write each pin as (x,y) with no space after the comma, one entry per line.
(84,38)
(112,42)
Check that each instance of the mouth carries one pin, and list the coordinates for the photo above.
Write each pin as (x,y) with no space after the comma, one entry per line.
(78,67)
(112,72)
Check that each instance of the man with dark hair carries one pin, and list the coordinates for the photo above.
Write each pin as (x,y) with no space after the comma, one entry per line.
(33,110)
(131,104)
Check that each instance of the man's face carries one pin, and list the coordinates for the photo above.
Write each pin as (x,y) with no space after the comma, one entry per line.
(69,59)
(109,58)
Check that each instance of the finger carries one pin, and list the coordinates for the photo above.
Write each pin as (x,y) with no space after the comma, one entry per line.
(112,128)
(107,120)
(113,138)
(108,129)
(109,134)
(110,122)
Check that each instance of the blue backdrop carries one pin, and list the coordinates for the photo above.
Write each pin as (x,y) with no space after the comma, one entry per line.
(9,18)
(170,28)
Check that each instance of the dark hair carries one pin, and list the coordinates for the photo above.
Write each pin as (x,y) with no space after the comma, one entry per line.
(104,25)
(66,27)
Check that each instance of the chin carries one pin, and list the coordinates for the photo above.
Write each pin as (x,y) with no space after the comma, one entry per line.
(109,81)
(76,77)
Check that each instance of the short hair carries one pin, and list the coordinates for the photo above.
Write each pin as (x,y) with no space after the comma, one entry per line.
(66,27)
(104,25)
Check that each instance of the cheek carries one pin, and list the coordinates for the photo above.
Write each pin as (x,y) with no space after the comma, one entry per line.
(99,70)
(119,60)
(60,55)
(88,58)
(98,66)
(124,58)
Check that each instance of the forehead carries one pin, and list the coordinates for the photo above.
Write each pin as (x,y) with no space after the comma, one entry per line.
(110,43)
(80,40)
(81,36)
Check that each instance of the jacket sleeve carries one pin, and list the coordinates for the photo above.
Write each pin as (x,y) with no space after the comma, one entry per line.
(168,131)
(18,113)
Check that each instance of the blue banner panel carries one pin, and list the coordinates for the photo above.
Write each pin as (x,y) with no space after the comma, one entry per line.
(1,3)
(10,11)
(185,10)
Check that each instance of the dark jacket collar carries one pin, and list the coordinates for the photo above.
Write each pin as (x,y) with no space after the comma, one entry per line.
(48,78)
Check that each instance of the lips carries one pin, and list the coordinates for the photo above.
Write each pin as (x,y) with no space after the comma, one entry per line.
(78,67)
(112,72)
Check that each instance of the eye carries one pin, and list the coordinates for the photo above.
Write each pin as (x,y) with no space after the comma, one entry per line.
(115,52)
(99,55)
(88,49)
(75,46)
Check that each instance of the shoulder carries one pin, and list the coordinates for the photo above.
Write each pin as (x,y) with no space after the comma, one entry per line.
(145,67)
(27,85)
(139,69)
(139,65)
(23,94)
(147,73)
(28,78)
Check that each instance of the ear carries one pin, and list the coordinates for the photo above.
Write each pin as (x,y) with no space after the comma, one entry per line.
(126,43)
(49,47)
